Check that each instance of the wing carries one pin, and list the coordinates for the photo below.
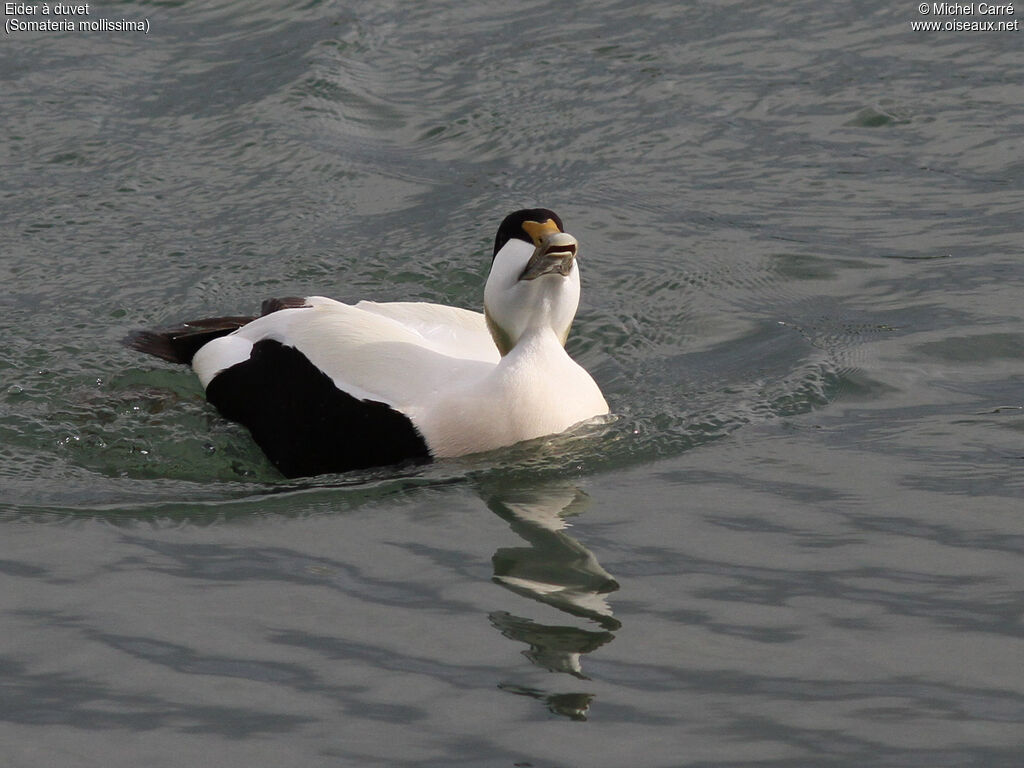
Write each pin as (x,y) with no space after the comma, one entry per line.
(400,354)
(454,331)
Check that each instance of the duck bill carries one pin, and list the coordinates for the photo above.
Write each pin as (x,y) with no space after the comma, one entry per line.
(554,254)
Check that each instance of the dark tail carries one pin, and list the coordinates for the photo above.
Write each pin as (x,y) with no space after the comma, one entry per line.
(179,345)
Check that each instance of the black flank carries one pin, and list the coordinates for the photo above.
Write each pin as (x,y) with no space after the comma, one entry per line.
(304,424)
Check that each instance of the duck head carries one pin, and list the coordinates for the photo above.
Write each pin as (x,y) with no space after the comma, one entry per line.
(534,282)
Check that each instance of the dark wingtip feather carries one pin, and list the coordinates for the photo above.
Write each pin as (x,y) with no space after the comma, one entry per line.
(179,345)
(286,302)
(153,343)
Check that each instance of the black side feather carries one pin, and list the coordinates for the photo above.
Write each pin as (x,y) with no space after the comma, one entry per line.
(304,423)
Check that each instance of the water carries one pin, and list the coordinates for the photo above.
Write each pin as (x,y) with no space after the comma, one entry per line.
(797,544)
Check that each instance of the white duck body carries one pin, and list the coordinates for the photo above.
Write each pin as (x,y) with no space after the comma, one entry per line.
(442,381)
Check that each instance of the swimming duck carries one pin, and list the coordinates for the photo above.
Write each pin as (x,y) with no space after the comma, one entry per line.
(324,386)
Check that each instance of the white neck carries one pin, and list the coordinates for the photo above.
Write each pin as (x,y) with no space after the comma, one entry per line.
(516,308)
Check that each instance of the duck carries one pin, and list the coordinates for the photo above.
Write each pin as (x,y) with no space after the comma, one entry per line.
(326,387)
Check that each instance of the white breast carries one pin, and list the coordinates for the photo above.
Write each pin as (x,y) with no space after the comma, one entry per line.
(535,390)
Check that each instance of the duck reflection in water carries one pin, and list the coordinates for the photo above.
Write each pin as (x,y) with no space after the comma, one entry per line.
(557,570)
